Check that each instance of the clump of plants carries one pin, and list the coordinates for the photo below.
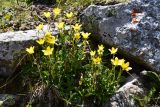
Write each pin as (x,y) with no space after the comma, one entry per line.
(153,95)
(66,63)
(5,20)
(13,18)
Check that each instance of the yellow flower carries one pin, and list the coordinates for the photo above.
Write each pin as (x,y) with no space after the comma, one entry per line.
(125,66)
(40,41)
(8,16)
(30,50)
(121,61)
(115,61)
(100,49)
(69,15)
(56,11)
(51,40)
(113,50)
(40,27)
(85,35)
(60,25)
(77,36)
(97,60)
(48,51)
(77,27)
(92,53)
(48,34)
(47,14)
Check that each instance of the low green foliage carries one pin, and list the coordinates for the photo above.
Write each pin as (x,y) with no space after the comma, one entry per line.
(11,3)
(144,102)
(84,3)
(153,82)
(152,76)
(13,15)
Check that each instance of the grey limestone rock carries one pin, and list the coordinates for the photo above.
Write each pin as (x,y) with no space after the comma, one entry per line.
(12,48)
(134,27)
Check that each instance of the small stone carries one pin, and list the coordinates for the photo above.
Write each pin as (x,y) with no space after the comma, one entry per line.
(125,95)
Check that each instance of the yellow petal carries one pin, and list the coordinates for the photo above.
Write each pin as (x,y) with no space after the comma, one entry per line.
(48,35)
(30,50)
(100,49)
(40,27)
(51,40)
(56,11)
(115,61)
(121,61)
(92,53)
(47,14)
(128,69)
(85,35)
(69,15)
(113,50)
(77,36)
(40,41)
(48,51)
(77,27)
(60,25)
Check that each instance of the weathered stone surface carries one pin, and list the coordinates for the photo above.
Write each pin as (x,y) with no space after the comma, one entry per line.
(124,97)
(12,48)
(133,27)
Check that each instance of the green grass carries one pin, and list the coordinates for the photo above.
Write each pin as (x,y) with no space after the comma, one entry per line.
(20,13)
(7,3)
(88,2)
(82,4)
(11,3)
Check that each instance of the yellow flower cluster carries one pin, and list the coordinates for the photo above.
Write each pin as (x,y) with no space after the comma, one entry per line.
(119,62)
(78,34)
(56,12)
(48,39)
(95,55)
(97,59)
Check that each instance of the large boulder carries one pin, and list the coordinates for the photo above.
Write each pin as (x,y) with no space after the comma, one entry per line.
(12,48)
(134,27)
